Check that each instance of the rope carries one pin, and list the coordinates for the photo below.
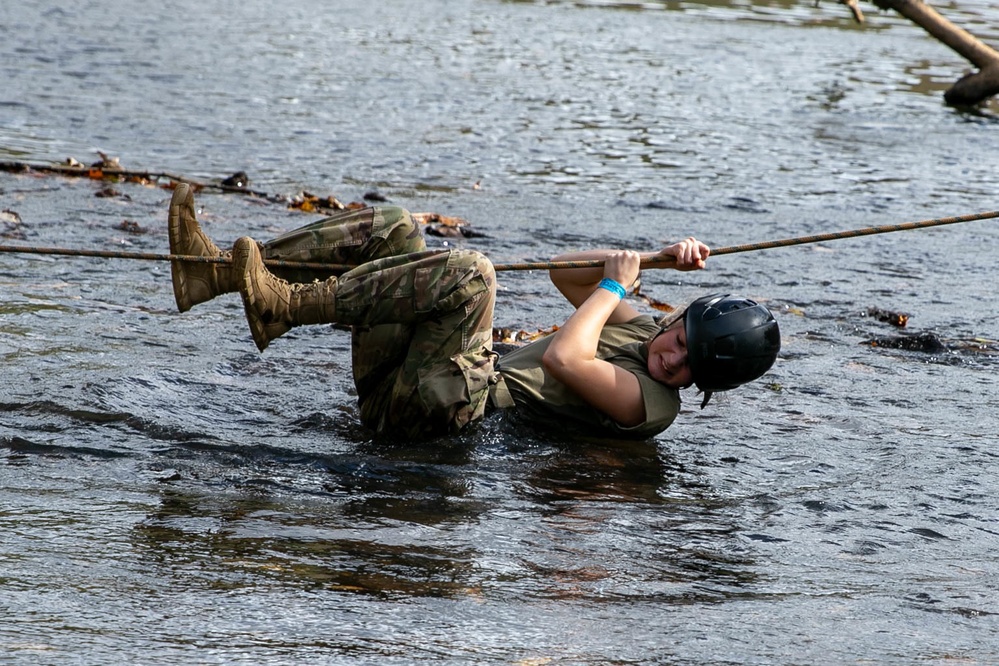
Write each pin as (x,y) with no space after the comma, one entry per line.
(153,256)
(666,262)
(660,262)
(868,231)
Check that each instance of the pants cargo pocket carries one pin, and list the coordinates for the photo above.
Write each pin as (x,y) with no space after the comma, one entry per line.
(456,393)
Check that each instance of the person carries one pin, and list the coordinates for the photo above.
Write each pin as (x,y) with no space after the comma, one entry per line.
(421,322)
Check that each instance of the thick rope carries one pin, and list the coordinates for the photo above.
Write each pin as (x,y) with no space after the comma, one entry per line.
(153,256)
(664,262)
(667,262)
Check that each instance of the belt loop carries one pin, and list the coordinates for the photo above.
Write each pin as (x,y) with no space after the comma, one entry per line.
(499,393)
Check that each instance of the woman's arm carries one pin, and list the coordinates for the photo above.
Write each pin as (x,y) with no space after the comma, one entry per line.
(571,356)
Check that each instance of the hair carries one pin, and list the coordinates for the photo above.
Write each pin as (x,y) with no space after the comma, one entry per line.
(670,318)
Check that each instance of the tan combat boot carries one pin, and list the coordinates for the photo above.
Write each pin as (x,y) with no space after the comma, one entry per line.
(273,306)
(194,283)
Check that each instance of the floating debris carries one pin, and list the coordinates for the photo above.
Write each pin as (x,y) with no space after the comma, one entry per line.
(110,192)
(375,196)
(97,170)
(238,181)
(928,343)
(12,225)
(106,162)
(109,169)
(445,226)
(131,227)
(899,319)
(311,203)
(977,345)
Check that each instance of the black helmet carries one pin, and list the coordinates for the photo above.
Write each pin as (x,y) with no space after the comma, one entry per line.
(730,341)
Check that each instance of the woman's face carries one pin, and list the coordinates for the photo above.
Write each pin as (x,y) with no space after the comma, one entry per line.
(668,357)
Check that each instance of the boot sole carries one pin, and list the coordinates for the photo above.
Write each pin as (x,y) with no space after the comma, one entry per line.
(182,197)
(241,252)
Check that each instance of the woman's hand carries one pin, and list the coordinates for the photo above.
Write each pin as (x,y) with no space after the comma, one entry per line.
(690,254)
(623,267)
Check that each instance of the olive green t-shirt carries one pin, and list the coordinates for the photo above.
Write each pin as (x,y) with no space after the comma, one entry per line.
(544,398)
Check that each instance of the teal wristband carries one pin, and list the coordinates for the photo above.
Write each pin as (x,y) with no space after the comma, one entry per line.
(613,287)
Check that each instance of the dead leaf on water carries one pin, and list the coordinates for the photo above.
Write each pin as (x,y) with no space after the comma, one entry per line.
(311,203)
(444,226)
(653,303)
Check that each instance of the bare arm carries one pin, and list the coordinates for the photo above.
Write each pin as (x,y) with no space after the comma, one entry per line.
(571,356)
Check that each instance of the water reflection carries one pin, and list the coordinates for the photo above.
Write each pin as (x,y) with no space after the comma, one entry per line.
(518,516)
(250,542)
(624,520)
(358,523)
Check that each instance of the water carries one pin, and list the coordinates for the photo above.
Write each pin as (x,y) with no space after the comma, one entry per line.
(168,495)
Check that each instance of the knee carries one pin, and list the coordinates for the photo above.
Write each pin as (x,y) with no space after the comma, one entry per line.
(477,264)
(397,226)
(485,268)
(480,275)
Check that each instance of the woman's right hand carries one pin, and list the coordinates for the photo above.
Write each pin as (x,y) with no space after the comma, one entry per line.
(690,254)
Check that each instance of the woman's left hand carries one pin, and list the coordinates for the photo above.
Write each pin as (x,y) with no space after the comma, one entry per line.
(623,267)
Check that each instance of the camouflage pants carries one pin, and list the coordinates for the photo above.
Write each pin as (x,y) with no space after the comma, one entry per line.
(421,319)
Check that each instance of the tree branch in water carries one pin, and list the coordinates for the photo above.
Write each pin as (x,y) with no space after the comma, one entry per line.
(971,89)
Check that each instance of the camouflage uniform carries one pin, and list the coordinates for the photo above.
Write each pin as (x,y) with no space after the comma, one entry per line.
(421,319)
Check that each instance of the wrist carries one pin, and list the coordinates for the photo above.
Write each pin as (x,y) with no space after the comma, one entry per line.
(613,286)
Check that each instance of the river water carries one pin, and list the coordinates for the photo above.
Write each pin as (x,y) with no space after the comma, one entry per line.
(168,495)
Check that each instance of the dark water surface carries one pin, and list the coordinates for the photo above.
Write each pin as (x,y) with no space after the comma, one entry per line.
(168,495)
